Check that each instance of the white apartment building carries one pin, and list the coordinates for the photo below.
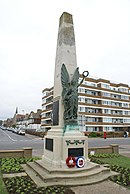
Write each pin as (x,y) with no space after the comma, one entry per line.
(102,106)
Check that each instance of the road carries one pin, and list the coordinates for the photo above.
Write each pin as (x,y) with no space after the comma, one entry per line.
(12,141)
(98,142)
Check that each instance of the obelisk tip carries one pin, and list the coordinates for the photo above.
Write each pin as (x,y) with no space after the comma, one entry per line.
(66,17)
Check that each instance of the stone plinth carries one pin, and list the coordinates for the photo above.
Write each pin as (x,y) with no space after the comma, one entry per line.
(64,146)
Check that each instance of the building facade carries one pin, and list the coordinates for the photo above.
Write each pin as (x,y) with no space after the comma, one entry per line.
(102,106)
(30,121)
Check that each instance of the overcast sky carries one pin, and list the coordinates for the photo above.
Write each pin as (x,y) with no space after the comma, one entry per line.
(28,38)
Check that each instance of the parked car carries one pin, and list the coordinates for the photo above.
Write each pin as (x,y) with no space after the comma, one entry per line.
(21,131)
(10,129)
(15,130)
(3,128)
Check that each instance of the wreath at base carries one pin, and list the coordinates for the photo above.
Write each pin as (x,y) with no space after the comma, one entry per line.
(70,162)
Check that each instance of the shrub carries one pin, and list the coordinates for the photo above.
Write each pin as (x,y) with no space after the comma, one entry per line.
(12,165)
(93,134)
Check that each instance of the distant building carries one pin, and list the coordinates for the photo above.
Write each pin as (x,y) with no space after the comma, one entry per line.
(7,123)
(1,122)
(47,103)
(34,120)
(102,106)
(17,119)
(28,121)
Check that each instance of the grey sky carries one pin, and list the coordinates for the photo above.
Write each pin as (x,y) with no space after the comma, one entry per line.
(28,38)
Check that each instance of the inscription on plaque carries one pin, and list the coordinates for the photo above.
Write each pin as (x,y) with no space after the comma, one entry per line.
(75,152)
(56,113)
(49,144)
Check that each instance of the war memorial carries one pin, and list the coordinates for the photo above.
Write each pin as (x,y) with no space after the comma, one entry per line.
(65,160)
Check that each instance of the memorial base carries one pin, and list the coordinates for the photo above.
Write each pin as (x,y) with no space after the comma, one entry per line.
(52,169)
(59,146)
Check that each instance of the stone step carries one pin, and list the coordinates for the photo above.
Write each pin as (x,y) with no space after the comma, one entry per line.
(42,178)
(81,181)
(66,170)
(38,170)
(33,175)
(61,174)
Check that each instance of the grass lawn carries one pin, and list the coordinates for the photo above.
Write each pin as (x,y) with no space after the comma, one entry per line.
(121,161)
(2,186)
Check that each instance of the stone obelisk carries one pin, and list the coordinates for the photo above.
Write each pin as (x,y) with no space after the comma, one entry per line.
(65,54)
(57,143)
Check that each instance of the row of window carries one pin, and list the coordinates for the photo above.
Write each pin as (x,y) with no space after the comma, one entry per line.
(103,111)
(106,94)
(120,89)
(103,102)
(118,104)
(123,97)
(107,120)
(91,129)
(107,86)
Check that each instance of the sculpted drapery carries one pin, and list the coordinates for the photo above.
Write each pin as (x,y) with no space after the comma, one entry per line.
(70,94)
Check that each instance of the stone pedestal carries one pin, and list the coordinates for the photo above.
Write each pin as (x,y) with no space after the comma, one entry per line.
(58,147)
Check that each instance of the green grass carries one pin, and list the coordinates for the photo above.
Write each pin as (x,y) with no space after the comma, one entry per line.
(2,186)
(121,161)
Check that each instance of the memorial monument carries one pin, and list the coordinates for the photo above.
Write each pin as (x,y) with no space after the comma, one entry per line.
(65,160)
(64,137)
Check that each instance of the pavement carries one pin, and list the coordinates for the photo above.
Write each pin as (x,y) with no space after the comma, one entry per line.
(105,187)
(125,150)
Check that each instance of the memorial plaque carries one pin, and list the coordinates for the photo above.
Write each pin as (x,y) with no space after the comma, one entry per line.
(49,144)
(75,152)
(55,113)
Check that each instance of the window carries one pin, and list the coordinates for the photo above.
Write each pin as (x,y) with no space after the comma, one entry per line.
(126,112)
(123,89)
(81,109)
(91,84)
(107,86)
(117,120)
(126,120)
(107,120)
(81,99)
(107,111)
(81,90)
(125,105)
(107,129)
(105,102)
(114,88)
(90,129)
(124,97)
(106,94)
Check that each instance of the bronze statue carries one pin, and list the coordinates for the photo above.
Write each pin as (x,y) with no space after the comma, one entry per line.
(70,94)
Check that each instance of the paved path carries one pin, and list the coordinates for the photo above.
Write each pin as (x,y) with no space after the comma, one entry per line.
(106,187)
(125,150)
